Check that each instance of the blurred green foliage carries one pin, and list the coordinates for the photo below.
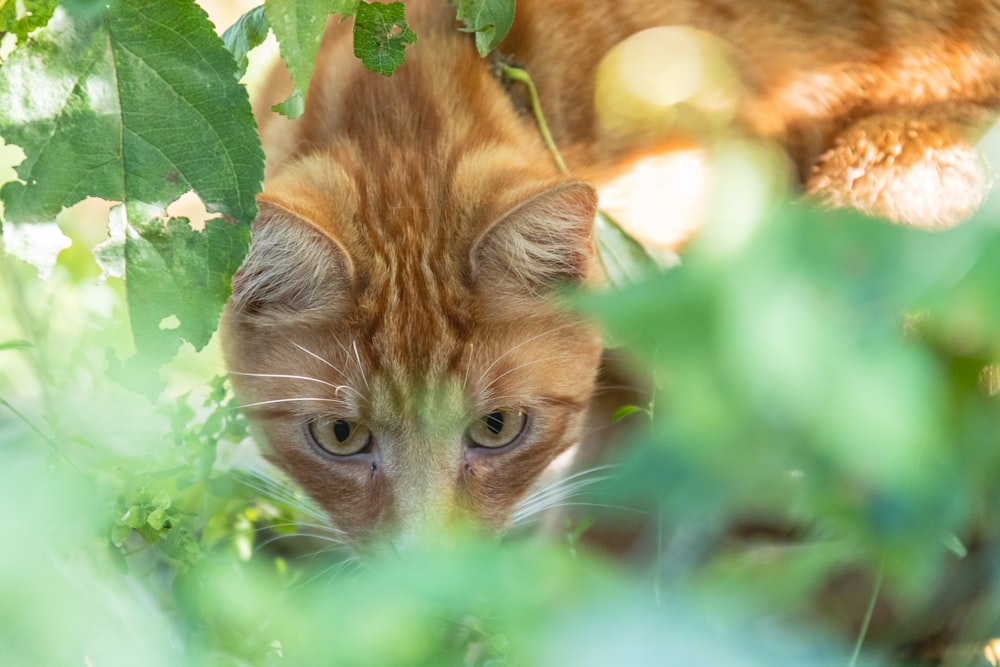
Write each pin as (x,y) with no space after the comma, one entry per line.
(828,371)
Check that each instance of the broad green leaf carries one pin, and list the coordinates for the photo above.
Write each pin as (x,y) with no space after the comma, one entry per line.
(381,36)
(489,19)
(36,14)
(174,271)
(242,37)
(138,105)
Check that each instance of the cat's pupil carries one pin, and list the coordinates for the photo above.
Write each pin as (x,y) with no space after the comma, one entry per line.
(494,422)
(341,430)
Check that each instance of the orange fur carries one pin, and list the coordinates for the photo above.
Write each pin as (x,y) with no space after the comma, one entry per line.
(414,229)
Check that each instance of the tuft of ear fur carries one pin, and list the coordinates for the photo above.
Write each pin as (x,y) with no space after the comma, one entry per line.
(545,241)
(293,269)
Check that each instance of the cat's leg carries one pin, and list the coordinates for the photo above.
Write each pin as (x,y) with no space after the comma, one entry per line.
(913,166)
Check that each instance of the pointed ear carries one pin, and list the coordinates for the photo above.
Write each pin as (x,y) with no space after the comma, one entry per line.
(543,242)
(293,269)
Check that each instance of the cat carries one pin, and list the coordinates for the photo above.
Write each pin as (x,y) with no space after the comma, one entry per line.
(396,334)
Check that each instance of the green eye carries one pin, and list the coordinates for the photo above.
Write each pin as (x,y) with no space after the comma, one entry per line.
(497,429)
(339,437)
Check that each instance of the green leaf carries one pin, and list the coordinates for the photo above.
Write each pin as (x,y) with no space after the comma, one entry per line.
(138,106)
(292,107)
(242,37)
(174,271)
(624,411)
(37,14)
(626,261)
(298,25)
(489,19)
(381,36)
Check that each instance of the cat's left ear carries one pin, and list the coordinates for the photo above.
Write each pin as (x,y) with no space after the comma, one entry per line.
(543,242)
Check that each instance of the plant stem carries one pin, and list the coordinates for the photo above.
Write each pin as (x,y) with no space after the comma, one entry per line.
(863,631)
(521,75)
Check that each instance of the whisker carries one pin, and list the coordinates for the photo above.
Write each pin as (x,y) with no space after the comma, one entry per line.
(520,520)
(278,492)
(522,344)
(338,387)
(361,368)
(290,400)
(317,357)
(519,367)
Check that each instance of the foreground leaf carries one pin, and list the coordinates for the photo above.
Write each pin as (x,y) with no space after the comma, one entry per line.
(37,14)
(242,37)
(489,19)
(173,270)
(140,107)
(381,36)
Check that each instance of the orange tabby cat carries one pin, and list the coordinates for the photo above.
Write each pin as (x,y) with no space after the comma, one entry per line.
(393,332)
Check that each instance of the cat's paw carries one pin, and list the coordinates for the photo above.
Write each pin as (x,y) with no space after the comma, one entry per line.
(920,171)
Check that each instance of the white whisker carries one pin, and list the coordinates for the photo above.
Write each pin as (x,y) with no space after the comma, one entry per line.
(361,368)
(338,387)
(290,400)
(519,367)
(318,358)
(521,519)
(522,344)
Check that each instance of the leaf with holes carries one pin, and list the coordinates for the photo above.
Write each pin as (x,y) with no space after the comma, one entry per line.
(35,14)
(381,35)
(164,283)
(139,104)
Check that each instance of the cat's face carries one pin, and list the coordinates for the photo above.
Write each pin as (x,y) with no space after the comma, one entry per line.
(403,359)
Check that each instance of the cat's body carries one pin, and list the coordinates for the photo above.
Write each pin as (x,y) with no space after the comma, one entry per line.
(393,329)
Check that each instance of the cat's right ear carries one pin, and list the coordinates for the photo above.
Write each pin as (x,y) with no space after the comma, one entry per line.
(543,242)
(294,270)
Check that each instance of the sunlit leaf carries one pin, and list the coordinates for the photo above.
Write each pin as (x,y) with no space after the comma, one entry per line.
(249,32)
(174,270)
(139,106)
(36,14)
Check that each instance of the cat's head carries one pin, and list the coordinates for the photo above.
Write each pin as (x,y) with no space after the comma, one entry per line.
(402,356)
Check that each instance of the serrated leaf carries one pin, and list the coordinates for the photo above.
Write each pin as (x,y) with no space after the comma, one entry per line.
(37,14)
(242,37)
(381,35)
(174,270)
(298,25)
(139,105)
(489,19)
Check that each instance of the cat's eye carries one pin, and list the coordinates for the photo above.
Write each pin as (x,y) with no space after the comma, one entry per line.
(339,437)
(498,429)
